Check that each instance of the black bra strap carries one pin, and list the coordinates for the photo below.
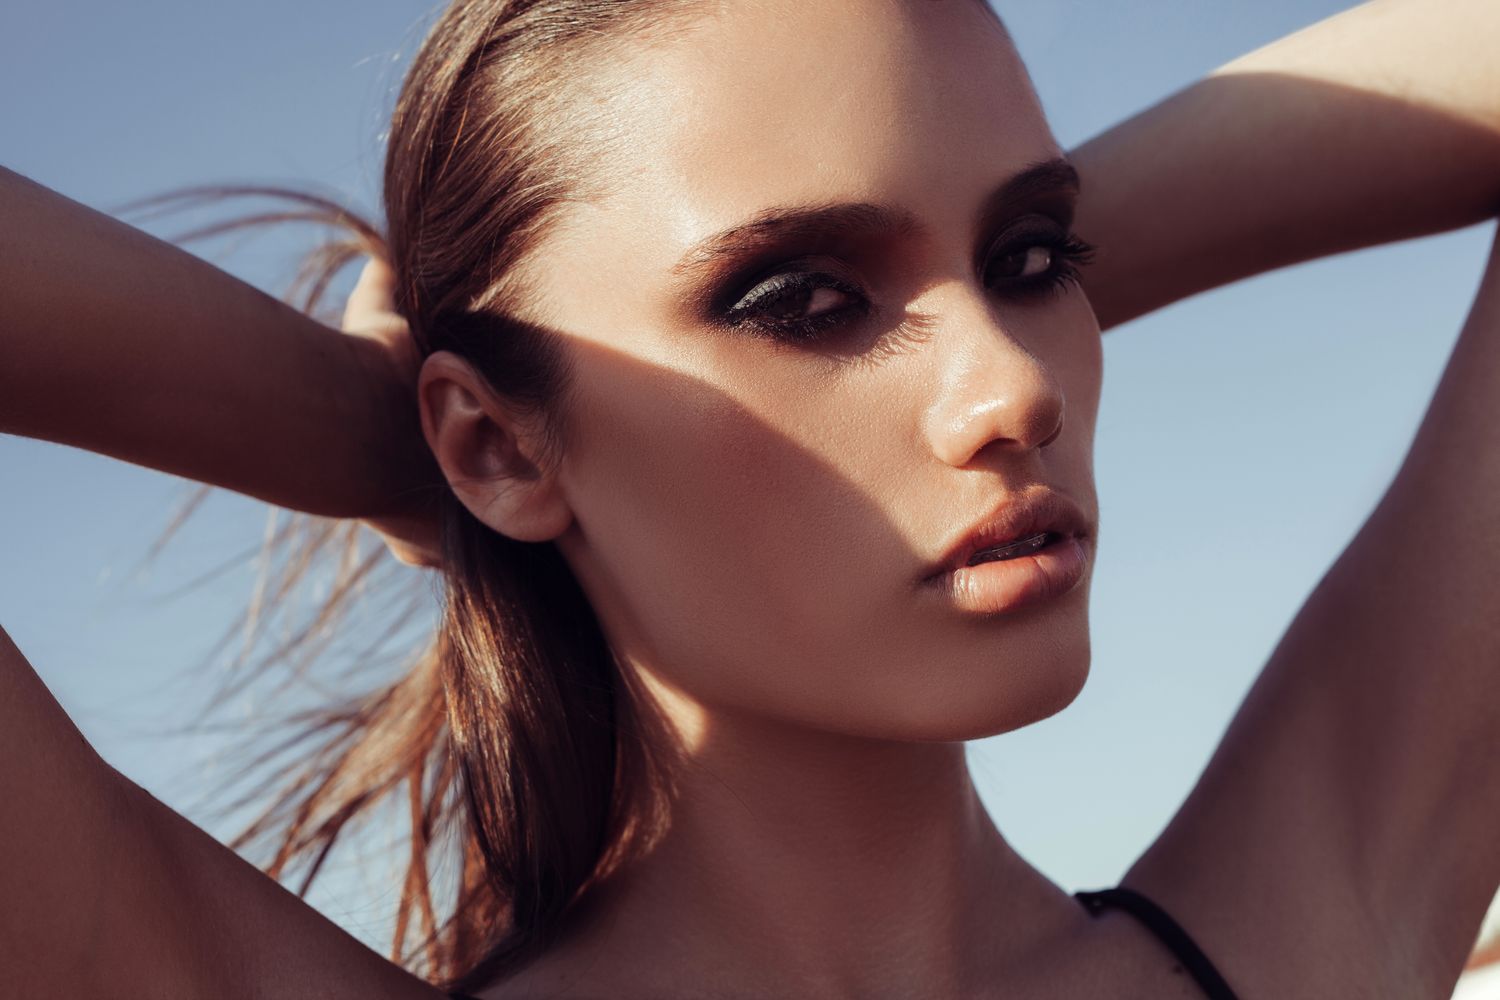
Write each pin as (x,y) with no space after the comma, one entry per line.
(1168,930)
(1160,924)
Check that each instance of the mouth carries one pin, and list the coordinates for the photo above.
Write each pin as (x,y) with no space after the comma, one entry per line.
(1031,549)
(1027,524)
(1012,550)
(1000,579)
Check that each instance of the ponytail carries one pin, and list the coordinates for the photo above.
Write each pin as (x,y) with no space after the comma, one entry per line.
(512,740)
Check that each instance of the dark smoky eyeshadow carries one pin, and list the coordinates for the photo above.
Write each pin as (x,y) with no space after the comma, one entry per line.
(744,277)
(1036,227)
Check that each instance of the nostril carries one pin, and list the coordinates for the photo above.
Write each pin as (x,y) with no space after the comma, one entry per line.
(1056,431)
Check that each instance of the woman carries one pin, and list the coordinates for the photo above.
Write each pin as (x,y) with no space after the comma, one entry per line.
(766,426)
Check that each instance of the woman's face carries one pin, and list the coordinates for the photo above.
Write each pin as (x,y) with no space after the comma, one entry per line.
(821,328)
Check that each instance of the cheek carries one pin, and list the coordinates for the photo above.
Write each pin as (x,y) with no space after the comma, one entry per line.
(729,542)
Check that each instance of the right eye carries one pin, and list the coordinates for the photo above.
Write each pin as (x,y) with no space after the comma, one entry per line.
(798,305)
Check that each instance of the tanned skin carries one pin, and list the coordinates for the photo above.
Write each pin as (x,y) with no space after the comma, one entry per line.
(1306,858)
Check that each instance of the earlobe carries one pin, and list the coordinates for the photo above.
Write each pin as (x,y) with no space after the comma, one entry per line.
(494,457)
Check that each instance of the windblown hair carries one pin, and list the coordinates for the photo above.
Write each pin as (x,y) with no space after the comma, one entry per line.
(528,765)
(525,762)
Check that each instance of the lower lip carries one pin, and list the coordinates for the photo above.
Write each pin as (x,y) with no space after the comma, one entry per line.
(1007,585)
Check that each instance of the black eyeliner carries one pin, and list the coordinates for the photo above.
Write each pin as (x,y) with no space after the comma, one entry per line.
(795,282)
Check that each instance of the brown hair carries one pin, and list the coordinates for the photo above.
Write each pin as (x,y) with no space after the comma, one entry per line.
(513,736)
(518,744)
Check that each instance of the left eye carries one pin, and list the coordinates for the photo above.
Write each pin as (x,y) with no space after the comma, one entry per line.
(1029,262)
(1039,258)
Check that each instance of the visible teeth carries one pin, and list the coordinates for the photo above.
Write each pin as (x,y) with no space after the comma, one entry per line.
(1020,547)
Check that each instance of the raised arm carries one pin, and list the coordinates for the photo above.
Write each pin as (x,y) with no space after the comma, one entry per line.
(1378,124)
(105,892)
(116,342)
(1345,838)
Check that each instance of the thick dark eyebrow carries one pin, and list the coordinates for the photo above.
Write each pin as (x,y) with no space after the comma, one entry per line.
(802,223)
(1041,182)
(795,224)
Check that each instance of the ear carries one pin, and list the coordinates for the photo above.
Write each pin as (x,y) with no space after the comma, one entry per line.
(492,455)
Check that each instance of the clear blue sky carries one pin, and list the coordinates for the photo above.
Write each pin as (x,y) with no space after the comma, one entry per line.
(1243,436)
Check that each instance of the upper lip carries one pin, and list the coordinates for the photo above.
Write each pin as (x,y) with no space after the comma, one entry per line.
(1017,517)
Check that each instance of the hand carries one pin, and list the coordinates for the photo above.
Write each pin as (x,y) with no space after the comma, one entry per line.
(371,313)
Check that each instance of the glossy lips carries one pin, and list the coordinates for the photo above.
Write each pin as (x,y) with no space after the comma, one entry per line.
(1031,548)
(1023,547)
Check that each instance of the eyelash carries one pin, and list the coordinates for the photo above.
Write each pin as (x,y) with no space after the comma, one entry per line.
(1069,255)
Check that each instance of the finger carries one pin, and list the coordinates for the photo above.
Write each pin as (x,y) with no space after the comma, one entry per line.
(372,303)
(422,558)
(412,538)
(414,553)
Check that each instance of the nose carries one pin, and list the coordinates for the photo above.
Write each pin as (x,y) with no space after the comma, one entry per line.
(993,394)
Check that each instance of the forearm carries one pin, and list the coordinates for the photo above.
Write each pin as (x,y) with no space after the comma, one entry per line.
(116,342)
(1379,124)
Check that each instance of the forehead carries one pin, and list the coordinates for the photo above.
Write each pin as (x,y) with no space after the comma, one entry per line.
(762,104)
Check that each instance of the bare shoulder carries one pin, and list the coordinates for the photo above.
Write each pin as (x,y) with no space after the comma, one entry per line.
(233,922)
(1342,840)
(105,891)
(1254,871)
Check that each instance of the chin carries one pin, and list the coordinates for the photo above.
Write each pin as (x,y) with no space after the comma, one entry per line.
(975,700)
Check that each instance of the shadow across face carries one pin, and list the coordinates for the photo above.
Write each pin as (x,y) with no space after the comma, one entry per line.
(820,325)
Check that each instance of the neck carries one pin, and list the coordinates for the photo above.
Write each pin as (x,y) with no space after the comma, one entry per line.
(802,863)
